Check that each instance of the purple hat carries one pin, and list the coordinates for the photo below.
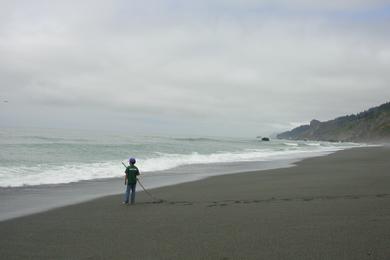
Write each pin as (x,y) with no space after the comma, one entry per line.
(132,160)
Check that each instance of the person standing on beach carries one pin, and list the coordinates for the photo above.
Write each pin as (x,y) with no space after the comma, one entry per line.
(131,181)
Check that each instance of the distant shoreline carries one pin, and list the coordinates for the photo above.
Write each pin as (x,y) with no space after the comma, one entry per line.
(371,126)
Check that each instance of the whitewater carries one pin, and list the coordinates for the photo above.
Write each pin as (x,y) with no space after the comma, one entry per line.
(30,157)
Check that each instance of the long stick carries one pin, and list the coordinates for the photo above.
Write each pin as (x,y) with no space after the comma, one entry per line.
(147,192)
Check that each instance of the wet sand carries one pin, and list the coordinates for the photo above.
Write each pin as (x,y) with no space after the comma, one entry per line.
(331,207)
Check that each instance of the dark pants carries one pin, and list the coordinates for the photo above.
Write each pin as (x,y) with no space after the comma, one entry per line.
(130,187)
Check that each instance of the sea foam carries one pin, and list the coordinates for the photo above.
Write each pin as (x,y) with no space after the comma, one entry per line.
(39,174)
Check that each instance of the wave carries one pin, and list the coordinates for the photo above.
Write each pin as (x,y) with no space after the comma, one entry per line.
(200,139)
(49,174)
(46,174)
(53,139)
(313,144)
(291,144)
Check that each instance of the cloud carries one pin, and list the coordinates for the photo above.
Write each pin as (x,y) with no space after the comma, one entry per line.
(221,64)
(305,4)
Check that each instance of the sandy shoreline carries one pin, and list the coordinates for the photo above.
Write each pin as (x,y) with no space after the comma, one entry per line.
(27,200)
(331,207)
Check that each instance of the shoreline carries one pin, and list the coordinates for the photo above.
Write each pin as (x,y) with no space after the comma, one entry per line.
(26,200)
(329,207)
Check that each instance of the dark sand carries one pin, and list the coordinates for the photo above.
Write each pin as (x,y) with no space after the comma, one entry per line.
(332,207)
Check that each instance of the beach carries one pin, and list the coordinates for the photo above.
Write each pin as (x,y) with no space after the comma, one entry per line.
(329,207)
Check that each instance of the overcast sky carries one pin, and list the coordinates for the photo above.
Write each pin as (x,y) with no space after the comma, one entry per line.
(241,68)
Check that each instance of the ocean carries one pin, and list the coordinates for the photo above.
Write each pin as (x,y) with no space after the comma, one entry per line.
(31,157)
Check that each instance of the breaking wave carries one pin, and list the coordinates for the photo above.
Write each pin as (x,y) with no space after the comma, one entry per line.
(16,176)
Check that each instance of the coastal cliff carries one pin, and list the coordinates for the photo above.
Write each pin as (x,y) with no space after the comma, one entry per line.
(372,125)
